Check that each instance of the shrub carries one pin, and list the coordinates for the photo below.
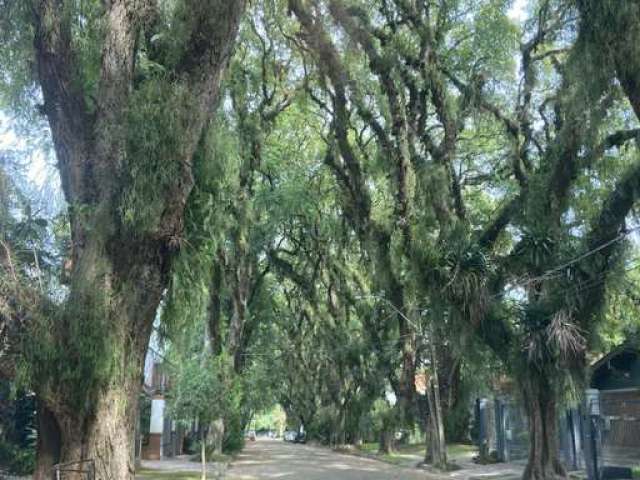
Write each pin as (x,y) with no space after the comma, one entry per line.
(19,461)
(234,435)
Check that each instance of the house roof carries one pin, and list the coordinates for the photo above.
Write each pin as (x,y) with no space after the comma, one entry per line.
(625,348)
(619,369)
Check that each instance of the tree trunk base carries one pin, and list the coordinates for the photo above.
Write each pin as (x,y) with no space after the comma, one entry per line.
(386,443)
(48,447)
(101,442)
(541,405)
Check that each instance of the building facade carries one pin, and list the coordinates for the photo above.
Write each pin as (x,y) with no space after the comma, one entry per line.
(159,436)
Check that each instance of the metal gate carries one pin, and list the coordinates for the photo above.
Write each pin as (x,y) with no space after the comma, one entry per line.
(512,431)
(619,432)
(502,429)
(614,435)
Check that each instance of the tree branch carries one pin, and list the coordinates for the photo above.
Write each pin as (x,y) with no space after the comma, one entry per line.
(605,231)
(214,27)
(400,153)
(123,20)
(64,100)
(330,66)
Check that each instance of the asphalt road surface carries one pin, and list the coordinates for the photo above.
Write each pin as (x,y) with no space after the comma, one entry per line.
(276,459)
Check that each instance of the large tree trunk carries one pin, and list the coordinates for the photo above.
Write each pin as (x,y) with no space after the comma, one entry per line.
(118,294)
(104,437)
(542,411)
(111,432)
(436,446)
(48,446)
(455,411)
(103,332)
(215,434)
(101,425)
(611,28)
(388,429)
(436,442)
(386,441)
(407,387)
(240,296)
(119,267)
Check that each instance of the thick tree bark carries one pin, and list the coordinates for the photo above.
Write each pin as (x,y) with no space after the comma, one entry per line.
(436,453)
(407,389)
(101,428)
(111,431)
(242,277)
(454,406)
(118,273)
(99,423)
(105,437)
(386,441)
(436,442)
(542,411)
(215,434)
(48,445)
(611,28)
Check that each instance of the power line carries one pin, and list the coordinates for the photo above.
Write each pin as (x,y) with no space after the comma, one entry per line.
(591,283)
(558,269)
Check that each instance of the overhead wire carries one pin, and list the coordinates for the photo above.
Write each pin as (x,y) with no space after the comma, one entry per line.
(560,268)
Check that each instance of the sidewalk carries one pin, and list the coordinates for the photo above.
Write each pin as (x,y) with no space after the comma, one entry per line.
(468,469)
(474,471)
(181,464)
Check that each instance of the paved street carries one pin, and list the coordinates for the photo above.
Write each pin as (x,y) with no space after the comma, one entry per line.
(275,459)
(266,459)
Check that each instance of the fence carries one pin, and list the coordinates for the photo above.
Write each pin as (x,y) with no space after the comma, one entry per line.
(85,469)
(572,439)
(614,426)
(503,432)
(502,429)
(603,437)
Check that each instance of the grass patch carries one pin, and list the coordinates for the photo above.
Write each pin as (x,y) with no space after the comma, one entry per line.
(461,450)
(412,449)
(393,459)
(412,454)
(453,450)
(213,457)
(398,457)
(635,472)
(371,448)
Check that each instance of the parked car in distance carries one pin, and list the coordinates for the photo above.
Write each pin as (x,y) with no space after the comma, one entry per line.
(251,435)
(290,436)
(301,437)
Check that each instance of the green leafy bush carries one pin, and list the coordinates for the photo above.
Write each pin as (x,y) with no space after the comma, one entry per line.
(234,434)
(19,461)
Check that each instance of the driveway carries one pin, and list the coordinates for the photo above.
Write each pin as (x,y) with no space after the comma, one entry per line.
(280,460)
